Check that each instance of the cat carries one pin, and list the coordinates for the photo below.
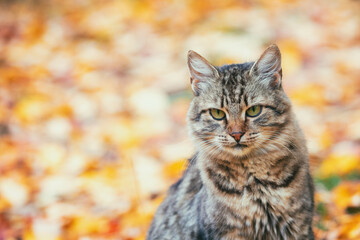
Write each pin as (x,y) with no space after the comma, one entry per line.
(249,178)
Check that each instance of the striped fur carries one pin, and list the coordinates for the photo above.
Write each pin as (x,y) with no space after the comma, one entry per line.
(261,187)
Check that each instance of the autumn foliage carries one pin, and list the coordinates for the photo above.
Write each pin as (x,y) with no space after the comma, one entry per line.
(94,94)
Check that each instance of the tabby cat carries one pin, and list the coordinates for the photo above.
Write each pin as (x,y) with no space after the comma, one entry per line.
(250,176)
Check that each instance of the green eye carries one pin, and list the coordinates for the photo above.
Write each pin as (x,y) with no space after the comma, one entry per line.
(217,114)
(254,111)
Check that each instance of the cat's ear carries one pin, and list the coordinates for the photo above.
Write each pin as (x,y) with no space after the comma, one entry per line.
(267,69)
(203,74)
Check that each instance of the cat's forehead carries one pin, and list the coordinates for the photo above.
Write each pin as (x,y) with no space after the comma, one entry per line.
(234,78)
(236,86)
(235,89)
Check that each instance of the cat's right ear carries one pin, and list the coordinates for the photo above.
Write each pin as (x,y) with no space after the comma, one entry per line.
(201,71)
(267,69)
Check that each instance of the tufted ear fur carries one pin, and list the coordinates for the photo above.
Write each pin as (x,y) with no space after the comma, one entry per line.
(201,71)
(267,69)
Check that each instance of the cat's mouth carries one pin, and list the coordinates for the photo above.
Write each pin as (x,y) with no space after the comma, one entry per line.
(239,146)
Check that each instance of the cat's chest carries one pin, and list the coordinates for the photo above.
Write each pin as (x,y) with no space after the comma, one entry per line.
(257,201)
(250,197)
(257,212)
(248,205)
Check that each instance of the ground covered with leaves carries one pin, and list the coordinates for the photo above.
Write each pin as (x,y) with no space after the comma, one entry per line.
(94,94)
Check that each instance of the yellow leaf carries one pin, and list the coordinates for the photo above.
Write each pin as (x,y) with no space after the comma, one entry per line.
(29,235)
(311,94)
(89,224)
(32,108)
(4,204)
(121,132)
(175,169)
(344,193)
(350,228)
(339,165)
(326,139)
(137,218)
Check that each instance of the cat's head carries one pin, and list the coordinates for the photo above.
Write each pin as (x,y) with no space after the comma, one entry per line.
(237,108)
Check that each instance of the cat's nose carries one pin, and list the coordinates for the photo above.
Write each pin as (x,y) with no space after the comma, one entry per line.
(237,135)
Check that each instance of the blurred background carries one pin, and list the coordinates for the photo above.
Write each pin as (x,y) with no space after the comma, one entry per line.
(94,94)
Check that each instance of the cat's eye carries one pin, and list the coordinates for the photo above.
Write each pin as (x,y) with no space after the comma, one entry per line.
(217,114)
(254,111)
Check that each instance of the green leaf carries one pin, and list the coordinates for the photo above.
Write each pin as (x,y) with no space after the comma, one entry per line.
(329,183)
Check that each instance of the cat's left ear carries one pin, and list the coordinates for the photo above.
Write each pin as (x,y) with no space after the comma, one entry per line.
(267,69)
(203,74)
